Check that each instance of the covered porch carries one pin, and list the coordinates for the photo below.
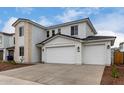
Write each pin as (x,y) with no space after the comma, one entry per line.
(10,53)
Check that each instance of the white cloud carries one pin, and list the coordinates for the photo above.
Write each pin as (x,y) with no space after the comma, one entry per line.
(119,36)
(75,13)
(111,24)
(8,25)
(24,10)
(44,21)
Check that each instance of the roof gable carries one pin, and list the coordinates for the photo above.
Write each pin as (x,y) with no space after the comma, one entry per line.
(29,21)
(62,36)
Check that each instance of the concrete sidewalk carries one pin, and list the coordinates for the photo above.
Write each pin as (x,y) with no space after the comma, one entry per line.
(5,80)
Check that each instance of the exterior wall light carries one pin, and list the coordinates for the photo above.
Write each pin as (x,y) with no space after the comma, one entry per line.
(78,49)
(43,50)
(108,46)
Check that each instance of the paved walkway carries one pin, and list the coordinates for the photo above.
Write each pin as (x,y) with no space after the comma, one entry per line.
(5,80)
(58,74)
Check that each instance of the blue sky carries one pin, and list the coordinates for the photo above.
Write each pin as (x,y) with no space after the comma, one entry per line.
(107,21)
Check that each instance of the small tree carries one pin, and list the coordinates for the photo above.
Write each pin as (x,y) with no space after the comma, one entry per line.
(115,72)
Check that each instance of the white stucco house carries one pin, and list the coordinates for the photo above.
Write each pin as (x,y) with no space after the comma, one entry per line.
(7,44)
(72,42)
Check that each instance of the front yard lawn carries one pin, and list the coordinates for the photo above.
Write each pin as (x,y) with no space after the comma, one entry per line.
(107,78)
(6,65)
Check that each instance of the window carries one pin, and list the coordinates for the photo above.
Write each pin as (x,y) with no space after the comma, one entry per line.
(53,32)
(21,31)
(74,30)
(59,30)
(14,40)
(21,51)
(48,34)
(0,39)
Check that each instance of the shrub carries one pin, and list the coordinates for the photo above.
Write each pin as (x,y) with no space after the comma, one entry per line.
(10,62)
(115,72)
(13,62)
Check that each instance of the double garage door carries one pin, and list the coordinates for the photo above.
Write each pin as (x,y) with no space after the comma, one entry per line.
(92,54)
(62,55)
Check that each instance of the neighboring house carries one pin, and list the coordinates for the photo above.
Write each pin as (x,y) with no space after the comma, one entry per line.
(72,42)
(121,46)
(6,46)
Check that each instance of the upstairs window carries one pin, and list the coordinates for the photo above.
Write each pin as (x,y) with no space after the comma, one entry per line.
(53,32)
(74,30)
(48,34)
(0,39)
(21,51)
(21,31)
(59,30)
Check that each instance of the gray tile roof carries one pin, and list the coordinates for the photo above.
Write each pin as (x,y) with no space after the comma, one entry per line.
(9,34)
(98,37)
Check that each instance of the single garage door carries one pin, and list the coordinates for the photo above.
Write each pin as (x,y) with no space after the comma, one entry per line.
(62,55)
(94,54)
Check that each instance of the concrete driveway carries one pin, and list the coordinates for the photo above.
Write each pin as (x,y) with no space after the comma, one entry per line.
(58,74)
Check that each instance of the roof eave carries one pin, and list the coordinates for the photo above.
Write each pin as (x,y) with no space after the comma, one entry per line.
(91,25)
(108,39)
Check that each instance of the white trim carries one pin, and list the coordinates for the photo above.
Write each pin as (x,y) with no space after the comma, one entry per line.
(63,45)
(95,43)
(110,39)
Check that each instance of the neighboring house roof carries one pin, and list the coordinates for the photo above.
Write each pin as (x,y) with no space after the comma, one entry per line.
(89,38)
(9,34)
(87,20)
(29,21)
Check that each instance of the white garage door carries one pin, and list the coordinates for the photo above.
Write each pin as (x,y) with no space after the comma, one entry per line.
(62,55)
(94,54)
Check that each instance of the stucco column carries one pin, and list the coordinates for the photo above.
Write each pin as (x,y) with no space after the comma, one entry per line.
(4,54)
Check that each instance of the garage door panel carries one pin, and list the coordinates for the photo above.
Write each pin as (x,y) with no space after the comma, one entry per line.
(94,54)
(62,55)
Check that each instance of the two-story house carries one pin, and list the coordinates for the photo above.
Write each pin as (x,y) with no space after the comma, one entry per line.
(6,46)
(72,42)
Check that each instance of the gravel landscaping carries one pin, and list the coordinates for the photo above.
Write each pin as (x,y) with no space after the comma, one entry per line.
(107,78)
